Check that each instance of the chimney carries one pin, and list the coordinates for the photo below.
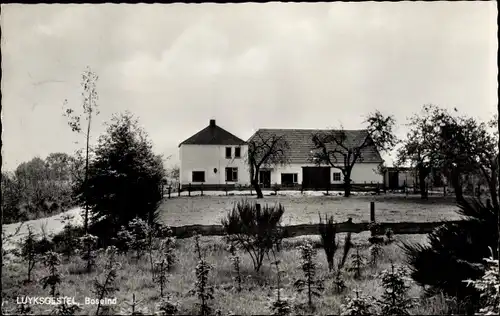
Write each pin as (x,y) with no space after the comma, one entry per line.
(212,123)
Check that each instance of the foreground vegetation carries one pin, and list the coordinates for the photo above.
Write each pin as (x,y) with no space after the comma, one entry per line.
(134,277)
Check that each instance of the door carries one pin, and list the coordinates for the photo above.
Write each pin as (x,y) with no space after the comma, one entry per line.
(265,178)
(393,180)
(316,178)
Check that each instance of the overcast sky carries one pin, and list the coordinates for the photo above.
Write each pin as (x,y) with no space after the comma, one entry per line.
(249,66)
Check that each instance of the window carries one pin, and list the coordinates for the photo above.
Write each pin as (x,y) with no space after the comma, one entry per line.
(198,176)
(228,152)
(336,176)
(237,152)
(231,174)
(288,179)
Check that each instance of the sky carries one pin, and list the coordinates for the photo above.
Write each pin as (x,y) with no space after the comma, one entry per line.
(249,66)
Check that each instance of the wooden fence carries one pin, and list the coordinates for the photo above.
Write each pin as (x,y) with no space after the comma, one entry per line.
(169,190)
(400,228)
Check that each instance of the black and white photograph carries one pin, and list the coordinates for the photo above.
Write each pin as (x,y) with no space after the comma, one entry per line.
(275,158)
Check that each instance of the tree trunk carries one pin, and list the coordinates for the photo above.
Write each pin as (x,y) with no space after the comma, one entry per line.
(347,184)
(258,191)
(457,185)
(421,178)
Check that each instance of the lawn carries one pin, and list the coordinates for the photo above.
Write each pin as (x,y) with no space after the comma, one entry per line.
(205,210)
(135,278)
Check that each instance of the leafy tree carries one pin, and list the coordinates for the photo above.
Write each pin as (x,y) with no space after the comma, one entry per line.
(11,198)
(90,109)
(266,150)
(254,229)
(124,177)
(342,149)
(455,144)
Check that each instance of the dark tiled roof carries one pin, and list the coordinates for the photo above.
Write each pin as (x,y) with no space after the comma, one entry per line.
(300,141)
(213,135)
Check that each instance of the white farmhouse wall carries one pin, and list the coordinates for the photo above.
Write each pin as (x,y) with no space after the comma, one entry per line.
(206,158)
(366,172)
(361,173)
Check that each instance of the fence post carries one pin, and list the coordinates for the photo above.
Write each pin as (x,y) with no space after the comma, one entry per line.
(372,212)
(257,207)
(189,189)
(201,188)
(444,190)
(302,187)
(225,189)
(179,189)
(169,190)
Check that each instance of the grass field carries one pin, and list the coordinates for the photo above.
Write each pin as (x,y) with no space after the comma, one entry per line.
(135,278)
(205,210)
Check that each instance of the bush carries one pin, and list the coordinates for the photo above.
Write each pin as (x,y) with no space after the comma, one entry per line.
(358,305)
(328,233)
(395,300)
(202,289)
(105,284)
(254,229)
(313,286)
(455,253)
(488,286)
(52,261)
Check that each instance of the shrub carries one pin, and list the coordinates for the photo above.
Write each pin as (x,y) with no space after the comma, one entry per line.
(455,253)
(395,300)
(235,261)
(167,306)
(390,235)
(358,305)
(328,233)
(105,284)
(160,274)
(52,261)
(358,262)
(134,308)
(376,252)
(308,266)
(28,252)
(65,309)
(488,286)
(88,245)
(202,289)
(280,304)
(68,239)
(254,229)
(167,249)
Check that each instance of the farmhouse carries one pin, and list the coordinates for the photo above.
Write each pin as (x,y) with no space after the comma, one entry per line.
(303,171)
(215,159)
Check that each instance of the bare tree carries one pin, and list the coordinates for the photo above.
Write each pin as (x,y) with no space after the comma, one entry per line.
(342,149)
(266,150)
(90,98)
